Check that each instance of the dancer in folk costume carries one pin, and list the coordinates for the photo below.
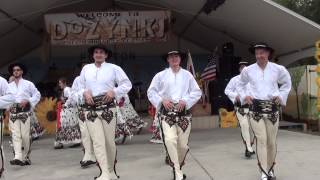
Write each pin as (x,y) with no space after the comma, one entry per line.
(270,85)
(122,130)
(26,97)
(174,91)
(131,121)
(76,100)
(101,82)
(6,100)
(242,111)
(156,137)
(68,131)
(36,129)
(155,127)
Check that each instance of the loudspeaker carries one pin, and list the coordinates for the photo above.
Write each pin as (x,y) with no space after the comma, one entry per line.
(235,66)
(229,64)
(226,66)
(228,48)
(217,97)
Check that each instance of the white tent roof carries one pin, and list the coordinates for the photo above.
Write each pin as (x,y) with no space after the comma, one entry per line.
(241,22)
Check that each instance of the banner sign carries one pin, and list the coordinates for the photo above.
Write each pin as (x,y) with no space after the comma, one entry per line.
(108,27)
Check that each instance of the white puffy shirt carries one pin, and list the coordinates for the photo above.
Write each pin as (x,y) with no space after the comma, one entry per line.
(175,87)
(265,84)
(101,79)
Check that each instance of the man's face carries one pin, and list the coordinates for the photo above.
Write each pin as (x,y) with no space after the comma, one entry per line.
(99,55)
(17,72)
(174,60)
(262,55)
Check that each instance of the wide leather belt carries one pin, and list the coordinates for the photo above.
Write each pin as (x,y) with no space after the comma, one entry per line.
(99,104)
(174,111)
(267,108)
(173,116)
(264,106)
(238,105)
(15,108)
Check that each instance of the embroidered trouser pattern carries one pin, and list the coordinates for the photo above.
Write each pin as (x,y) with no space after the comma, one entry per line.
(265,131)
(176,131)
(246,132)
(86,140)
(101,126)
(21,136)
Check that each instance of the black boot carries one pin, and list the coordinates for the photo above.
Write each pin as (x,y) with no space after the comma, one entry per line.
(85,164)
(248,154)
(75,145)
(27,162)
(272,176)
(124,139)
(17,162)
(58,146)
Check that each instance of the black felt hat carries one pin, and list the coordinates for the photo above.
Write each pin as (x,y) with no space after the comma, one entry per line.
(261,46)
(99,46)
(181,54)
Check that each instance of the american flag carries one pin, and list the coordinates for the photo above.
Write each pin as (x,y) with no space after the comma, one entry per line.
(209,73)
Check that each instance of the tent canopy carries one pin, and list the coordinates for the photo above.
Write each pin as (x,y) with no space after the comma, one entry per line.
(240,22)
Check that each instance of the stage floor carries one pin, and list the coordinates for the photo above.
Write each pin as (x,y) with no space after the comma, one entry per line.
(215,154)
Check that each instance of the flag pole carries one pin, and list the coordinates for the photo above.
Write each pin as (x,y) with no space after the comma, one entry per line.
(215,51)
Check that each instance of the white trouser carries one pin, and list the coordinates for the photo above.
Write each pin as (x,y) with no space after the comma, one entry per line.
(246,133)
(103,137)
(176,143)
(20,132)
(266,135)
(86,142)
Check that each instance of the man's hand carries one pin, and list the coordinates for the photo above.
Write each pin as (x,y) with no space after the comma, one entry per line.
(237,99)
(62,99)
(277,100)
(88,97)
(181,105)
(248,100)
(109,96)
(24,103)
(167,104)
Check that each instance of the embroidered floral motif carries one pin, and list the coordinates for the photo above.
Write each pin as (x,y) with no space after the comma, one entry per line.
(273,117)
(256,116)
(184,123)
(69,134)
(91,116)
(82,116)
(69,130)
(13,109)
(171,120)
(267,109)
(241,111)
(107,115)
(20,116)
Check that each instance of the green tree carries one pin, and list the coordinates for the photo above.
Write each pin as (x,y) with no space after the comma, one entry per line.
(308,8)
(296,73)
